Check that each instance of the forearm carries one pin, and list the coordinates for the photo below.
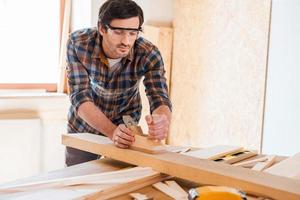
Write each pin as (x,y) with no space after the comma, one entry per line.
(96,118)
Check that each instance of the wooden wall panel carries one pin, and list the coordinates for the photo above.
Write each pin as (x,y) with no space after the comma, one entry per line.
(162,37)
(219,71)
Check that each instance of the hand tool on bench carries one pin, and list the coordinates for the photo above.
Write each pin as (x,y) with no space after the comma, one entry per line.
(216,193)
(142,143)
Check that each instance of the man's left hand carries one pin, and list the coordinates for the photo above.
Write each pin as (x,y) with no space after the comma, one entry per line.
(158,125)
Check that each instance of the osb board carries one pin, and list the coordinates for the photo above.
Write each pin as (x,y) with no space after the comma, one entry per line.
(218,72)
(162,37)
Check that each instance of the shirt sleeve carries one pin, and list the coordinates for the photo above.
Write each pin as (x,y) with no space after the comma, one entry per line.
(78,78)
(155,82)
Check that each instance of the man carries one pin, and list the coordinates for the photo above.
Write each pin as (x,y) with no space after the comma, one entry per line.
(105,66)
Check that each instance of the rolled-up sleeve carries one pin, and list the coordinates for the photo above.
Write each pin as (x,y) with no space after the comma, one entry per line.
(78,79)
(155,82)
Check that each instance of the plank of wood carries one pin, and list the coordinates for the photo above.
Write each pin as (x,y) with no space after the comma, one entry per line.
(139,196)
(62,84)
(104,179)
(193,169)
(177,149)
(214,152)
(251,162)
(236,157)
(125,188)
(289,167)
(146,145)
(169,191)
(162,37)
(174,185)
(261,166)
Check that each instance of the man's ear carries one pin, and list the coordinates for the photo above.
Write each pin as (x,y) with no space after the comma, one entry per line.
(101,29)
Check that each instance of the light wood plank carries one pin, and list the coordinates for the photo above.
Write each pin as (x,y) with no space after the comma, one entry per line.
(174,185)
(125,188)
(104,179)
(289,167)
(142,143)
(62,84)
(261,166)
(251,162)
(169,191)
(162,37)
(214,152)
(138,196)
(193,169)
(236,157)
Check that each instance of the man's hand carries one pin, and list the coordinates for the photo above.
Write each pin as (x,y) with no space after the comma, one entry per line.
(123,136)
(158,125)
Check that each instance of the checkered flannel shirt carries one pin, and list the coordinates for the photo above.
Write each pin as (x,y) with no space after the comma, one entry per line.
(115,91)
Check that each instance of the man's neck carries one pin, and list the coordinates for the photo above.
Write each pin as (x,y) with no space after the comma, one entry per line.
(107,53)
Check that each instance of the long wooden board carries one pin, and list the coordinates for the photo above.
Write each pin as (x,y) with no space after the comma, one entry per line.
(193,169)
(102,179)
(289,167)
(214,152)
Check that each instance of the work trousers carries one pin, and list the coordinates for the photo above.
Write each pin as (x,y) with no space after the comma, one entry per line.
(75,156)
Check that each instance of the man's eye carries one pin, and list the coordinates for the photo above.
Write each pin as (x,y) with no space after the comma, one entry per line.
(133,33)
(118,32)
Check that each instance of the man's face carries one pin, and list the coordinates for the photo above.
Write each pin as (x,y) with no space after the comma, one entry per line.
(119,36)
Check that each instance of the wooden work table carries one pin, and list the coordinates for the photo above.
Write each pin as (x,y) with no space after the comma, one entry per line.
(103,178)
(99,166)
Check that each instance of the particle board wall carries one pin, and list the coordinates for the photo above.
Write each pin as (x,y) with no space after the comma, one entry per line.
(219,71)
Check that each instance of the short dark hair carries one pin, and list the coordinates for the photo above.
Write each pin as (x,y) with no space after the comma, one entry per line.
(119,9)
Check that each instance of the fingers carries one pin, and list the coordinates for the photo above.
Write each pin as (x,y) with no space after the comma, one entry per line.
(123,137)
(125,130)
(148,119)
(159,127)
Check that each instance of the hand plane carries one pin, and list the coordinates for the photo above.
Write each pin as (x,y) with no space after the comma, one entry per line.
(142,143)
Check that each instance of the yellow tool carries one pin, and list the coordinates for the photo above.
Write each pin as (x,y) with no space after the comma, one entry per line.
(216,193)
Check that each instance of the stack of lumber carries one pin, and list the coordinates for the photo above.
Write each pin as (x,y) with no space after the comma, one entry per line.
(198,170)
(196,167)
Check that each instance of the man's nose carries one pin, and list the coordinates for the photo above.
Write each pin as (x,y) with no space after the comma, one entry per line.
(125,39)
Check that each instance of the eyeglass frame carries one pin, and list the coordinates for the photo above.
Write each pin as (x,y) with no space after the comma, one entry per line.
(107,26)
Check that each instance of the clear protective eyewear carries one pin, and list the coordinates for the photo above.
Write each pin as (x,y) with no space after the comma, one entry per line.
(120,31)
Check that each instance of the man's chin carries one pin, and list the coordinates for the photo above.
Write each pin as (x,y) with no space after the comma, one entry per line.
(123,53)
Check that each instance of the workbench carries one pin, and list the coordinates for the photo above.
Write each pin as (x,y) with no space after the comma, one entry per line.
(191,170)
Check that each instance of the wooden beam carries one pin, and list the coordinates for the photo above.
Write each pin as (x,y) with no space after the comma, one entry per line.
(142,143)
(104,180)
(289,167)
(139,196)
(125,188)
(169,191)
(49,87)
(193,169)
(261,166)
(251,163)
(214,152)
(62,84)
(177,187)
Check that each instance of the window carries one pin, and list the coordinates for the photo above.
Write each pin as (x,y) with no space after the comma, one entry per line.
(29,41)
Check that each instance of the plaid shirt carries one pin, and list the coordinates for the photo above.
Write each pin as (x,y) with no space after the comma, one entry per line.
(115,91)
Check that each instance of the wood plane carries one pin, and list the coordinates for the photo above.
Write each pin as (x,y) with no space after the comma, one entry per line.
(142,143)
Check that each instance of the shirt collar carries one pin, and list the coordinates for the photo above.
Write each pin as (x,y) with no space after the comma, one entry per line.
(99,53)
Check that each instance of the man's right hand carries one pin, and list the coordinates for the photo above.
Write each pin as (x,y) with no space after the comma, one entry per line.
(122,136)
